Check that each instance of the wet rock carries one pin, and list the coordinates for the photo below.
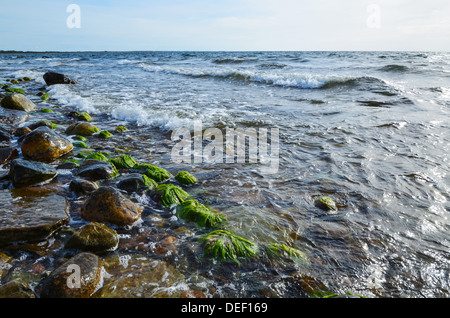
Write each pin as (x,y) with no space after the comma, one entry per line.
(94,237)
(131,183)
(136,276)
(95,170)
(52,78)
(22,131)
(69,165)
(7,154)
(82,129)
(44,144)
(16,289)
(108,204)
(12,116)
(24,173)
(64,283)
(5,137)
(30,215)
(4,265)
(82,187)
(18,102)
(41,123)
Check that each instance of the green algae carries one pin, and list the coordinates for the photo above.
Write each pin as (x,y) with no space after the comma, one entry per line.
(168,195)
(226,246)
(276,250)
(123,162)
(185,178)
(156,173)
(105,134)
(97,156)
(202,215)
(121,129)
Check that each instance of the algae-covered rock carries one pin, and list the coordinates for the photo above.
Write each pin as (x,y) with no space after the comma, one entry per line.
(168,195)
(42,123)
(105,134)
(84,116)
(79,277)
(156,173)
(278,251)
(25,173)
(326,203)
(80,144)
(82,129)
(15,90)
(204,216)
(224,245)
(108,204)
(97,156)
(123,162)
(16,289)
(94,237)
(44,144)
(185,178)
(95,170)
(53,78)
(30,216)
(46,110)
(121,129)
(18,102)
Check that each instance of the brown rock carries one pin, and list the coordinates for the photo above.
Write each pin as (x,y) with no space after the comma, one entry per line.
(82,129)
(107,204)
(79,277)
(44,144)
(18,102)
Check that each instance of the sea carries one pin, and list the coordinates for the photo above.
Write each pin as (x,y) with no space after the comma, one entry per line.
(371,130)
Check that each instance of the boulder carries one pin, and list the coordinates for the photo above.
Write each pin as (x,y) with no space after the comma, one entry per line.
(44,144)
(82,129)
(25,173)
(18,102)
(95,170)
(52,78)
(108,204)
(29,216)
(79,277)
(94,237)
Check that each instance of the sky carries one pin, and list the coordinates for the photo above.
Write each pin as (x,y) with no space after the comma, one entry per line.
(226,25)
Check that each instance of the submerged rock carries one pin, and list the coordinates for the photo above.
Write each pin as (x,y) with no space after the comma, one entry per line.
(64,283)
(94,237)
(25,173)
(12,116)
(44,144)
(95,170)
(18,102)
(107,204)
(326,203)
(30,215)
(136,276)
(52,78)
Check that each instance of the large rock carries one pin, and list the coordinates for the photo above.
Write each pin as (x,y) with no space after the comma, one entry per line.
(18,102)
(79,277)
(25,173)
(44,144)
(95,170)
(52,78)
(30,215)
(107,204)
(82,129)
(94,237)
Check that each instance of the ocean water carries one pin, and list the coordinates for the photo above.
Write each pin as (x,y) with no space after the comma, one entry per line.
(369,129)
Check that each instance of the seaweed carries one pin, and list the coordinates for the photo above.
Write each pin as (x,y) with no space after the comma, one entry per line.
(185,178)
(168,195)
(123,162)
(204,216)
(224,245)
(156,173)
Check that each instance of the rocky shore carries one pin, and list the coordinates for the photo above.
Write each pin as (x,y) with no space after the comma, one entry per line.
(73,190)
